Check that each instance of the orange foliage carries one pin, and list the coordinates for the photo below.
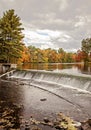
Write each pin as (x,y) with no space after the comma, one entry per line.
(79,56)
(25,56)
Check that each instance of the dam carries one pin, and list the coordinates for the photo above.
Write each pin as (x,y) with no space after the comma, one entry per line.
(43,78)
(60,92)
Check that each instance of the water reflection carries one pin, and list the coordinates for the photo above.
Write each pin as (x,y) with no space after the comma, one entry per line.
(65,67)
(10,91)
(11,97)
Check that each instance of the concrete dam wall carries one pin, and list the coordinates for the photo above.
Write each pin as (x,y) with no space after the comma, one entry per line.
(48,79)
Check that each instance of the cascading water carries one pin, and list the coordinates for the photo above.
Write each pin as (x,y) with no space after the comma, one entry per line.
(79,82)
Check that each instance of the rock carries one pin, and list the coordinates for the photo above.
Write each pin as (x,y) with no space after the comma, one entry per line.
(60,127)
(43,99)
(86,125)
(27,125)
(89,122)
(77,124)
(21,83)
(27,128)
(34,122)
(36,128)
(46,120)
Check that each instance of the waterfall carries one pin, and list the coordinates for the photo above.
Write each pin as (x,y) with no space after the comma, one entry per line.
(82,82)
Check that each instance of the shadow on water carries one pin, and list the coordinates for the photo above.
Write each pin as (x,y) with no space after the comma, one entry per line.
(10,107)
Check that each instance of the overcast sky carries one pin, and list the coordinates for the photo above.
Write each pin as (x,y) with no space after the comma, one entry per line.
(53,23)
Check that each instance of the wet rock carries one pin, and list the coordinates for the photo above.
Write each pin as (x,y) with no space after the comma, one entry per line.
(78,125)
(60,128)
(21,83)
(34,122)
(86,125)
(50,124)
(46,120)
(89,122)
(43,99)
(27,127)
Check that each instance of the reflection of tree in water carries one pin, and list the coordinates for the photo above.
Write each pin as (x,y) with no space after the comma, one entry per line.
(80,67)
(10,91)
(86,69)
(83,68)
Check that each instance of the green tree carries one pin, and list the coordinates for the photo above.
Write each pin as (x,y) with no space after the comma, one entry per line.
(62,55)
(32,51)
(69,57)
(11,36)
(86,48)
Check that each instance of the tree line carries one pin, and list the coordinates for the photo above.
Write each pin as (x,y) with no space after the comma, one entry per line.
(37,55)
(13,50)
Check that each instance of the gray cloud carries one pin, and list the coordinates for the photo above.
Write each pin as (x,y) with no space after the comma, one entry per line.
(71,18)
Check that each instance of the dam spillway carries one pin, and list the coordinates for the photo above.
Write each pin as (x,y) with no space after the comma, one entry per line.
(48,78)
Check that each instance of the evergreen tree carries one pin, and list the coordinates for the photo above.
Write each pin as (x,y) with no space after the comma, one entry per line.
(10,36)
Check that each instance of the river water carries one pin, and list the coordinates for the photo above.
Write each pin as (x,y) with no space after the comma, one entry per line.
(60,67)
(28,101)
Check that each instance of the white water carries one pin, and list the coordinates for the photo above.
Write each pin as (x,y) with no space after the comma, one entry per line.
(45,78)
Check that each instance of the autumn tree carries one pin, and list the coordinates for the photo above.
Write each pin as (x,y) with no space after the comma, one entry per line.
(62,55)
(69,57)
(11,37)
(51,55)
(86,48)
(25,56)
(79,56)
(32,51)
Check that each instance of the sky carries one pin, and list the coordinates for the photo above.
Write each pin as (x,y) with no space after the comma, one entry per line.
(52,23)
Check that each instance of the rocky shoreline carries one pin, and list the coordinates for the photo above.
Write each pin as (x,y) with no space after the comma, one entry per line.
(11,119)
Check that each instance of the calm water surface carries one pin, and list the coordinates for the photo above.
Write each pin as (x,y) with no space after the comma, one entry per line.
(60,67)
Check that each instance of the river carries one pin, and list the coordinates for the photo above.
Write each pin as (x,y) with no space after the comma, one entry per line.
(40,94)
(58,67)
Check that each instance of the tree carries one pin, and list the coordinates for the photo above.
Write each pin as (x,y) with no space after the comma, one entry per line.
(62,55)
(86,48)
(25,56)
(79,56)
(69,57)
(11,37)
(32,51)
(51,55)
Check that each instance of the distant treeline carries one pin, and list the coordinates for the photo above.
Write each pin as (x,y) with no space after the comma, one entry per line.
(37,55)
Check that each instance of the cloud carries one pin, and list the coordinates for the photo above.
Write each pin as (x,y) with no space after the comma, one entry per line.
(46,38)
(53,23)
(35,38)
(8,1)
(81,21)
(63,5)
